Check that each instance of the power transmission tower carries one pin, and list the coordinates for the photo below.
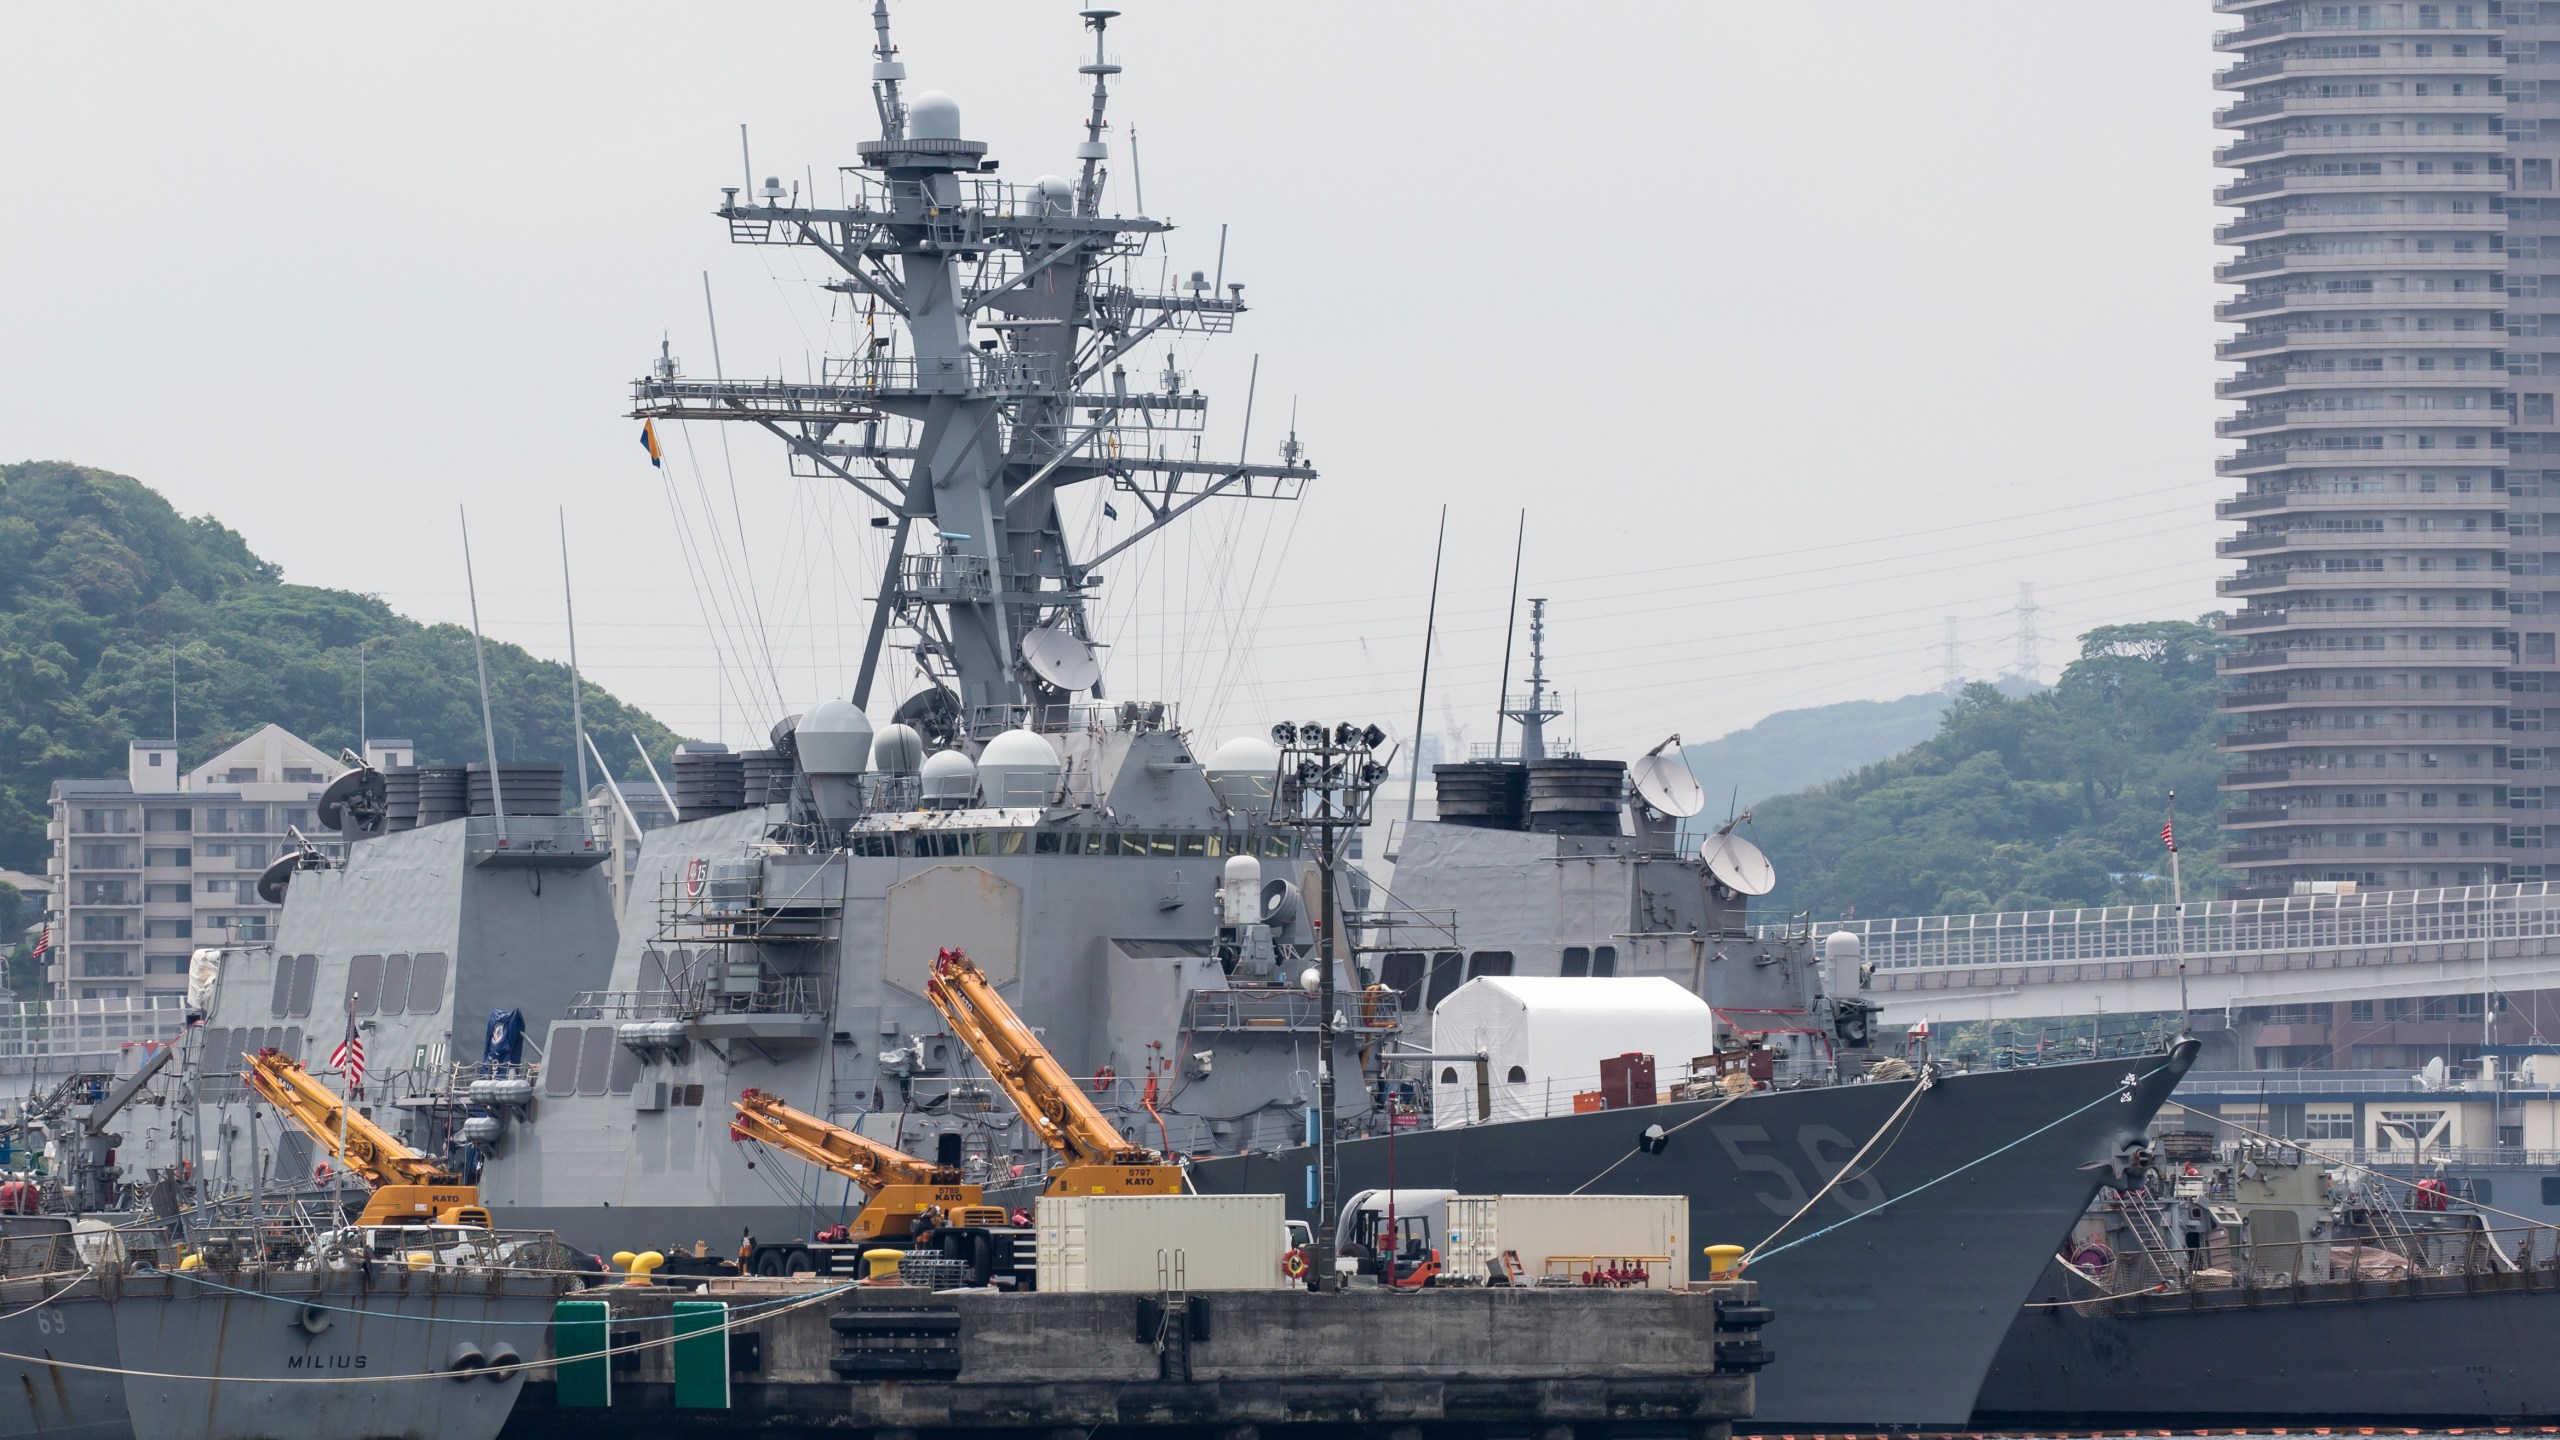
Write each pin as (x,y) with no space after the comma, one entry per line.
(1952,665)
(2030,667)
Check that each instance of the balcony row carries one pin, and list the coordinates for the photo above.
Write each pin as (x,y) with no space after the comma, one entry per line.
(2248,462)
(2246,662)
(2487,291)
(2243,506)
(2480,102)
(2242,152)
(2483,220)
(2308,262)
(2313,737)
(2362,27)
(2394,373)
(2260,582)
(2304,417)
(2485,181)
(2486,335)
(2253,72)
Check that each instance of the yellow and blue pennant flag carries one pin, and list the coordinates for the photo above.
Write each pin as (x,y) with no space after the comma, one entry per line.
(649,442)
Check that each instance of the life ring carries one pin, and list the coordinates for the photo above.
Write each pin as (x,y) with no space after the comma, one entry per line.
(1104,1079)
(1294,1264)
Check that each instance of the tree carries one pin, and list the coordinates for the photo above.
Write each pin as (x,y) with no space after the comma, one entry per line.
(102,582)
(2052,800)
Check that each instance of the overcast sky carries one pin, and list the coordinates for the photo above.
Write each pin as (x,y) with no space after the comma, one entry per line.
(1794,329)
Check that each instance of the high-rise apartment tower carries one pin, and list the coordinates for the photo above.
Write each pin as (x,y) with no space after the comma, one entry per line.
(2393,652)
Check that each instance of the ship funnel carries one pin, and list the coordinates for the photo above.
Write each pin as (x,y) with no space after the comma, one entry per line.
(834,741)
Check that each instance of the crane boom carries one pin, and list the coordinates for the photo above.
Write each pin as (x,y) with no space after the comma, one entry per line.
(897,1188)
(866,1162)
(407,1186)
(1096,1158)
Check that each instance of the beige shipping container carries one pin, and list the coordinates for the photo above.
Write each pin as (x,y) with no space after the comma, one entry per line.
(1565,1235)
(1151,1242)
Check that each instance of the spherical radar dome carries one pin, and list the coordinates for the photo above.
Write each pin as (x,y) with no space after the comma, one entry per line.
(933,116)
(949,778)
(1245,755)
(898,751)
(1019,767)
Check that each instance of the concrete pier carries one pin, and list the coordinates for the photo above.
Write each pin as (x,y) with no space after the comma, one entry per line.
(891,1362)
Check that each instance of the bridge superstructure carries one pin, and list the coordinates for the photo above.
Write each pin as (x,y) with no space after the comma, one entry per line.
(2032,964)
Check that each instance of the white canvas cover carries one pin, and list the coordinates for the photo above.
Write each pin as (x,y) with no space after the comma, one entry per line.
(1553,1032)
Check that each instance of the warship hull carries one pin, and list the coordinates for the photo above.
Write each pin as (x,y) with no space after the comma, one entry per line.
(44,1335)
(1888,1321)
(410,1356)
(2435,1352)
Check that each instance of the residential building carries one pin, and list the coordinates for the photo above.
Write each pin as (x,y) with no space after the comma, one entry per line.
(2386,691)
(148,867)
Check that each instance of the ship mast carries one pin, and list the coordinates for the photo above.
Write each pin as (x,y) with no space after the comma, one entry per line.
(1010,388)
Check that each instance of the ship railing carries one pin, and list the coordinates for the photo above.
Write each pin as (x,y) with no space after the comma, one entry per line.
(1285,1011)
(2452,915)
(627,1005)
(35,1032)
(2225,1263)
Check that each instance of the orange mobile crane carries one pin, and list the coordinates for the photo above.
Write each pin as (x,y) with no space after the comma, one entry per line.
(1094,1157)
(408,1188)
(897,1188)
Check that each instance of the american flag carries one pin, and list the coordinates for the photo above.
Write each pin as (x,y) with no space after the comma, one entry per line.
(2169,834)
(44,939)
(348,1058)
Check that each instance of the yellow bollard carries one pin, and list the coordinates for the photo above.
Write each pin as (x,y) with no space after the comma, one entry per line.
(641,1264)
(622,1259)
(1723,1261)
(881,1264)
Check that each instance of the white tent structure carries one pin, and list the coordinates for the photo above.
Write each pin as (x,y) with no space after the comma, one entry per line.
(1545,1036)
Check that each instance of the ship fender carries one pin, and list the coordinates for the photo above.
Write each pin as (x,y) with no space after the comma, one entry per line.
(466,1361)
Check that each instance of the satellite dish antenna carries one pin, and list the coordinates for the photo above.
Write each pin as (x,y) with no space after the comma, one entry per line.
(1063,659)
(1738,864)
(1665,781)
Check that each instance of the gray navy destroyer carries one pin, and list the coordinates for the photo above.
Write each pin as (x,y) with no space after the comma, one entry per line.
(1135,894)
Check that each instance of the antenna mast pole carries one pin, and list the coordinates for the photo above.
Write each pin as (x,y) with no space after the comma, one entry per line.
(1510,629)
(1422,697)
(577,685)
(2178,909)
(480,660)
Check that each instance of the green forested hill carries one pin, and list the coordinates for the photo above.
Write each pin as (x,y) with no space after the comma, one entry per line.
(2054,799)
(100,578)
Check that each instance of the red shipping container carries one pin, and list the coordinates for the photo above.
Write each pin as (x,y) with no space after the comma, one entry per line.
(1627,1080)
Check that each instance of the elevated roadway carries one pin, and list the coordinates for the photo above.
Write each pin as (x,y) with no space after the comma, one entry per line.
(2302,949)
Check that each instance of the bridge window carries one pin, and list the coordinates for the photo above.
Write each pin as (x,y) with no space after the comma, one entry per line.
(1489,962)
(1444,977)
(1604,959)
(1449,1075)
(1402,971)
(1577,960)
(2551,1189)
(1516,1076)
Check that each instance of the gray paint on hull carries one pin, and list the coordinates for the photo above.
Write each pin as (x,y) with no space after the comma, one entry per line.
(1891,1320)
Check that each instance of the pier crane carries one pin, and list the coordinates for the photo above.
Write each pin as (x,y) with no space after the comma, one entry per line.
(408,1188)
(897,1188)
(1094,1158)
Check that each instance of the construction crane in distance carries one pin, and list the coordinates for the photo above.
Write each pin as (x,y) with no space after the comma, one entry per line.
(897,1188)
(408,1188)
(1094,1158)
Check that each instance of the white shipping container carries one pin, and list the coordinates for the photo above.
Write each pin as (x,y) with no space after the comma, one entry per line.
(1568,1234)
(1149,1242)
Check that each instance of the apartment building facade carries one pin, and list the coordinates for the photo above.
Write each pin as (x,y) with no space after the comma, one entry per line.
(150,866)
(2394,672)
